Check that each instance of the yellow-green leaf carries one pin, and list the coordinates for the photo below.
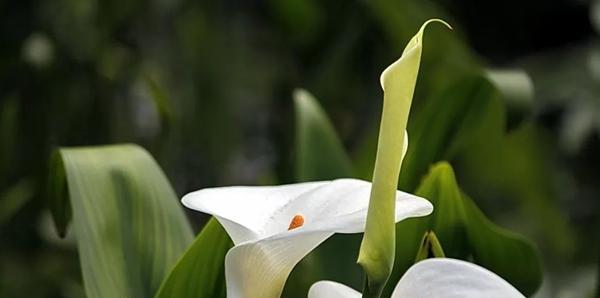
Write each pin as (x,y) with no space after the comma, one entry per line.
(398,82)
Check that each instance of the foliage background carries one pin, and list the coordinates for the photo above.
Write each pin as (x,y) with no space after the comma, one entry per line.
(206,87)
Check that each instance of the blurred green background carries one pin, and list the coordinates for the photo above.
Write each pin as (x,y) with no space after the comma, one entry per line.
(206,87)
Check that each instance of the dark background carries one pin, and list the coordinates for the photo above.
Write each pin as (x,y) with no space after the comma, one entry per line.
(206,87)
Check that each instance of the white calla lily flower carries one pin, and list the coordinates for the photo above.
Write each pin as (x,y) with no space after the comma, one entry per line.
(433,278)
(274,227)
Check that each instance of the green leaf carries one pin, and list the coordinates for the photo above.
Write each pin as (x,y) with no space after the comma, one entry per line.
(491,247)
(430,247)
(517,92)
(458,119)
(519,171)
(450,122)
(201,270)
(161,100)
(398,81)
(464,232)
(13,199)
(129,226)
(320,154)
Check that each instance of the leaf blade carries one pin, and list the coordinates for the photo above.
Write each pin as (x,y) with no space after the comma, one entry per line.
(464,231)
(129,226)
(201,270)
(320,153)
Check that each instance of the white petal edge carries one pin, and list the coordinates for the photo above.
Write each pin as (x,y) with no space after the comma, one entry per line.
(407,206)
(261,268)
(245,210)
(332,289)
(452,278)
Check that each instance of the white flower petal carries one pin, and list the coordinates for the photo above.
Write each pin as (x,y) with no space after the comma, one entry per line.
(237,232)
(260,268)
(331,289)
(407,206)
(250,213)
(257,220)
(341,206)
(244,211)
(448,278)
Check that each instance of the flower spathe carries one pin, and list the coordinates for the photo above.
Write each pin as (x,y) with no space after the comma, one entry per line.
(433,278)
(274,227)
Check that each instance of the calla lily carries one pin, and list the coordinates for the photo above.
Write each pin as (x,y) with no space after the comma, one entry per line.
(433,278)
(274,227)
